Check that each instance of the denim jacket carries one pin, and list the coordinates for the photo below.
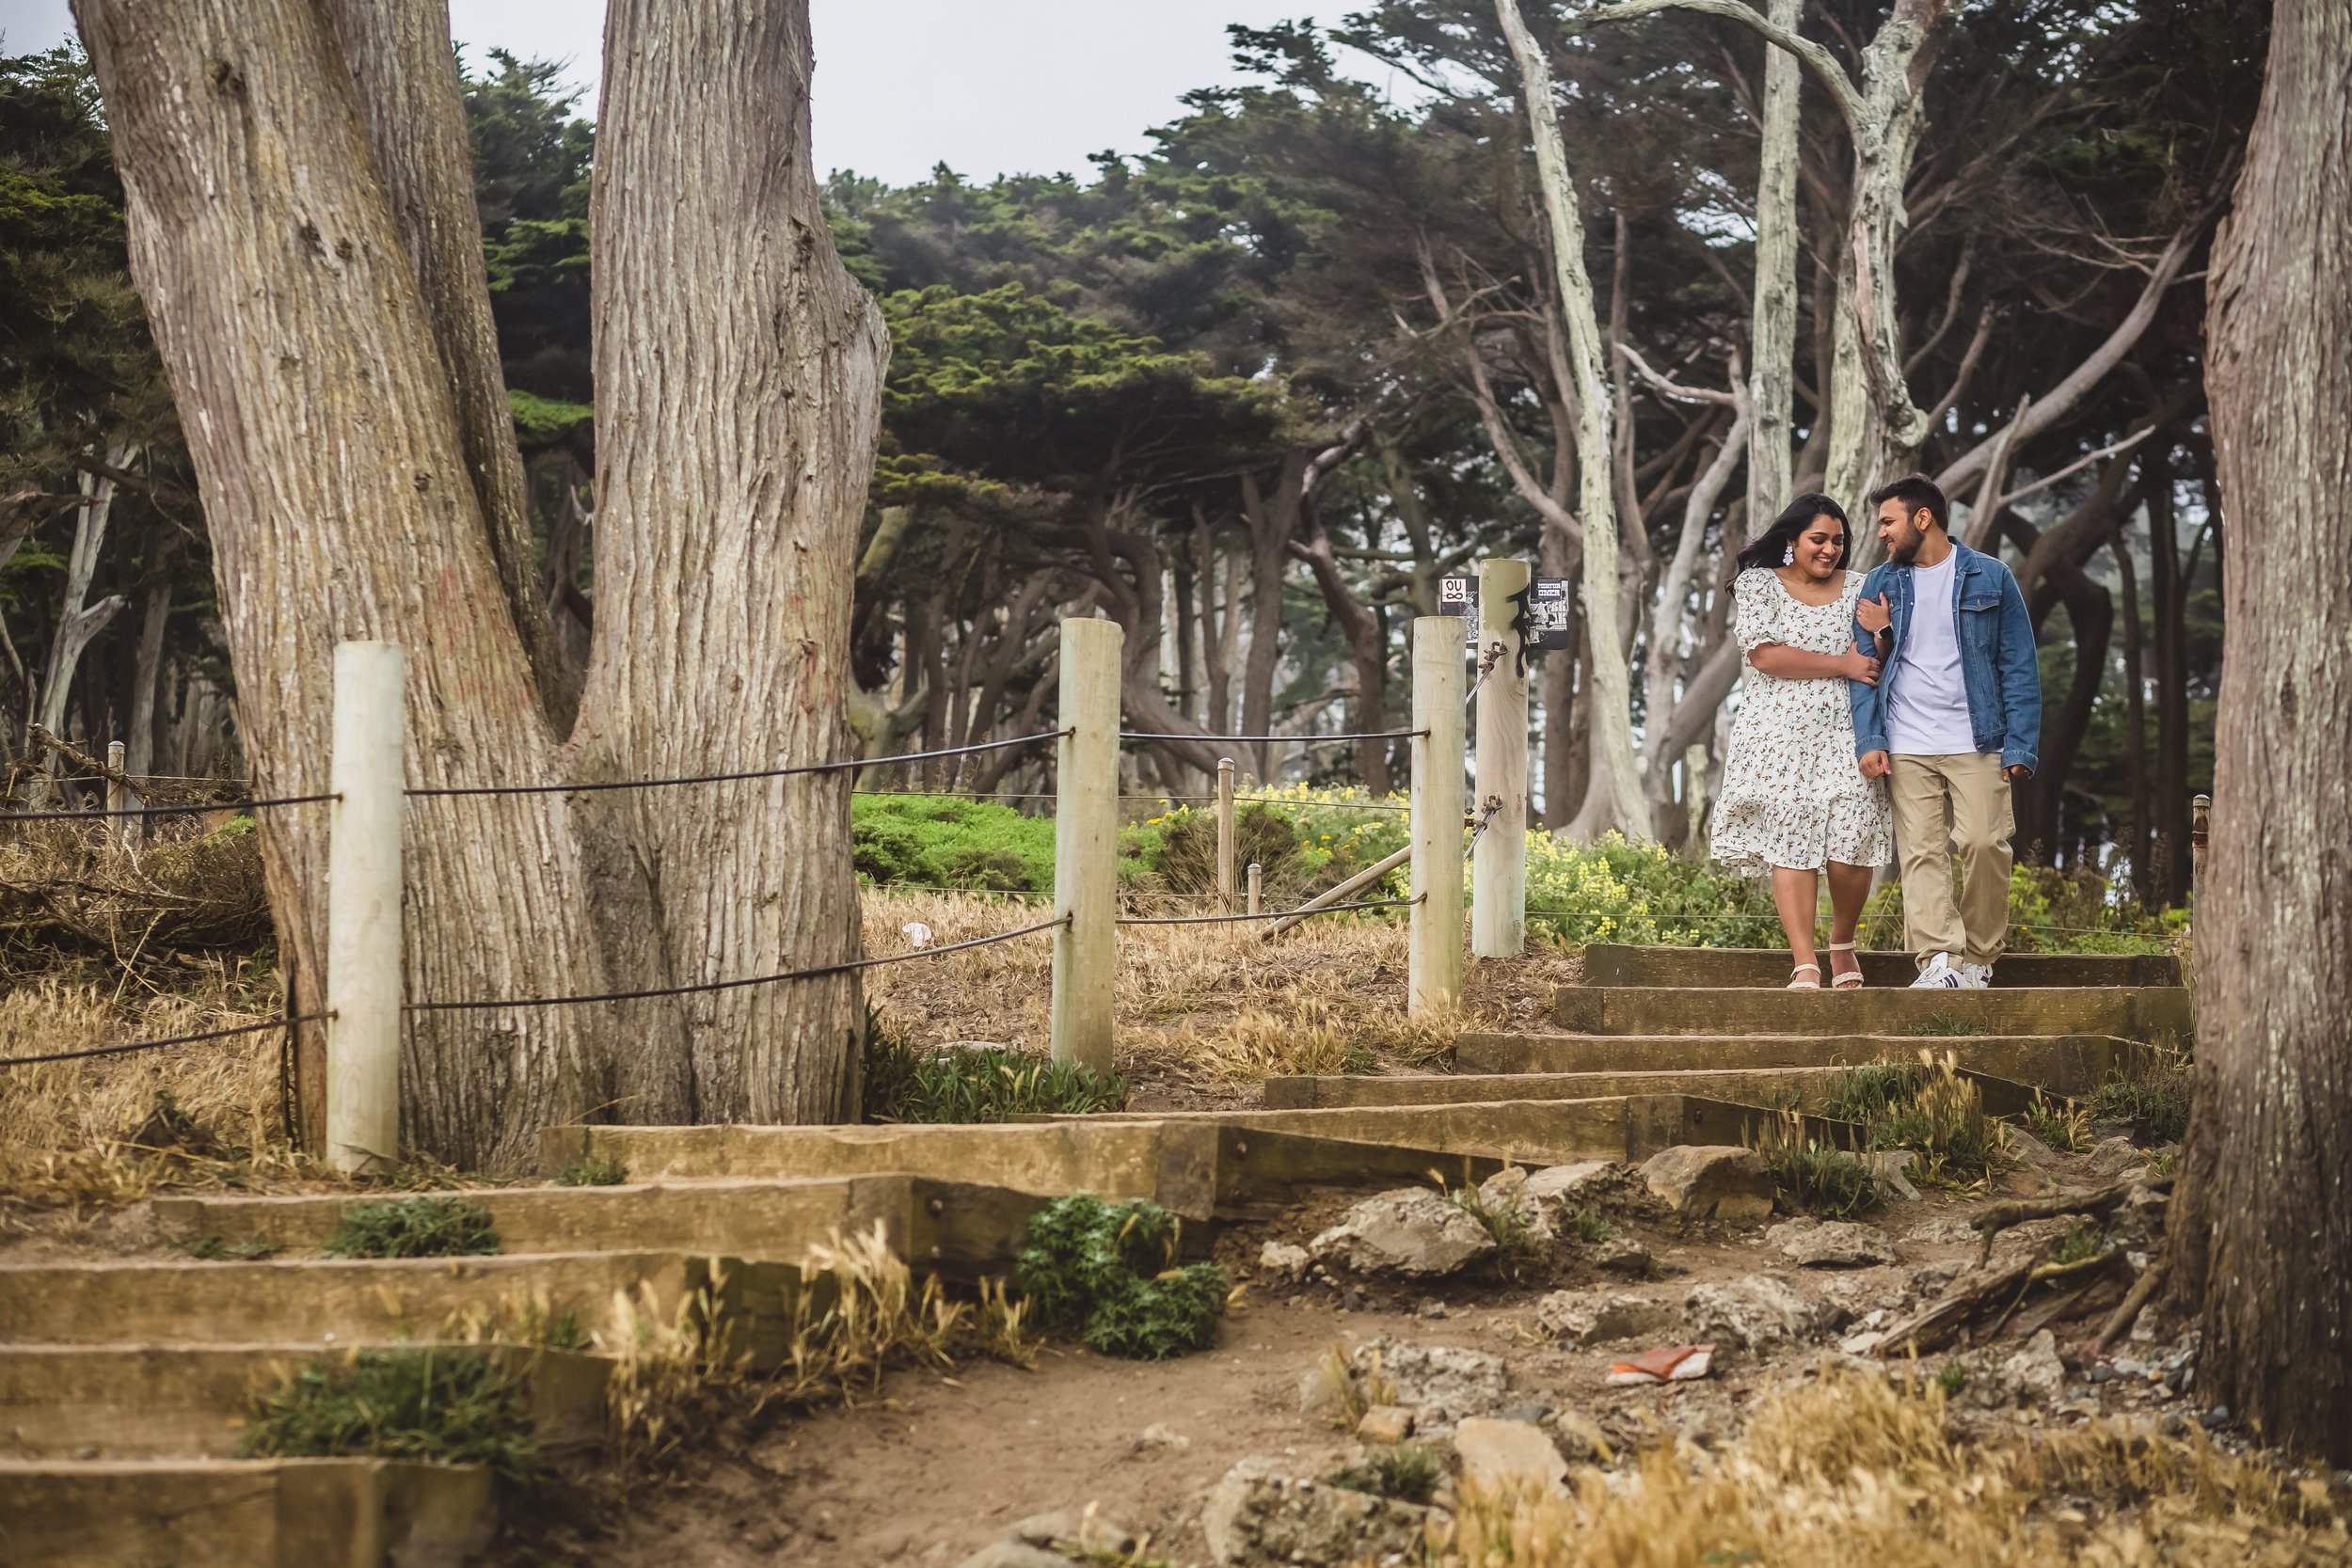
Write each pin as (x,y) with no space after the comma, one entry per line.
(1997,657)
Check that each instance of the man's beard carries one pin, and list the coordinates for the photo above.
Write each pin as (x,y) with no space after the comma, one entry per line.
(1903,552)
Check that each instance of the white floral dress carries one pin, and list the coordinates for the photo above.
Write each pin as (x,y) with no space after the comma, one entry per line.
(1792,795)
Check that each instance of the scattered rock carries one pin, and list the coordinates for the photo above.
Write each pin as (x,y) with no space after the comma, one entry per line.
(1830,1243)
(1579,1439)
(1438,1384)
(1583,1318)
(1433,1307)
(1626,1255)
(1385,1426)
(1949,1231)
(1505,1192)
(1500,1456)
(1159,1434)
(1410,1230)
(1892,1166)
(1754,1312)
(2032,1375)
(1284,1259)
(1081,1528)
(1929,1279)
(1711,1181)
(1255,1518)
(2030,1149)
(1588,1184)
(1014,1553)
(2112,1157)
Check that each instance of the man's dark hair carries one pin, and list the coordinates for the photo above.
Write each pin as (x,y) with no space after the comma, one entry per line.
(1916,491)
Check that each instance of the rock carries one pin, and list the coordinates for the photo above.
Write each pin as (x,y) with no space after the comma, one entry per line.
(2030,1149)
(2034,1374)
(1892,1166)
(1014,1553)
(1711,1181)
(1504,1193)
(1949,1231)
(1159,1434)
(1583,1318)
(2112,1157)
(1410,1230)
(1255,1518)
(1579,1439)
(1586,1184)
(1081,1528)
(1385,1426)
(1624,1255)
(1754,1312)
(1438,1384)
(1433,1307)
(1284,1259)
(1830,1243)
(1507,1456)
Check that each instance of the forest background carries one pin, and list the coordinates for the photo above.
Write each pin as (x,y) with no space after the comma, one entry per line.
(1252,393)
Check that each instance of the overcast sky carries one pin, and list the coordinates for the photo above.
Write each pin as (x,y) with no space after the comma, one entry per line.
(989,87)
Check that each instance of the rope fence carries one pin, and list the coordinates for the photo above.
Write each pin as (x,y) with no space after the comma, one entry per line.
(197,809)
(801,771)
(283,1021)
(1269,914)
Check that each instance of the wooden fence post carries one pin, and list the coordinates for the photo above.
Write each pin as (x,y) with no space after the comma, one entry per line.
(1498,863)
(124,830)
(1257,889)
(363,913)
(1433,956)
(1085,844)
(1225,836)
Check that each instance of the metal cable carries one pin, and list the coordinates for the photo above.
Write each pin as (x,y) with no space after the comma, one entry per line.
(165,811)
(278,1022)
(818,972)
(729,778)
(1255,739)
(1273,915)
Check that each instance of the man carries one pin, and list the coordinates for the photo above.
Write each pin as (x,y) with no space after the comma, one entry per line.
(1952,722)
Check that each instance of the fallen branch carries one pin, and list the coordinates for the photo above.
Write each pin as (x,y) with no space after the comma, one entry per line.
(2099,1200)
(2136,1297)
(1933,1325)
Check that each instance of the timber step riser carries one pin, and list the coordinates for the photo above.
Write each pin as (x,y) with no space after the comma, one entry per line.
(1801,1089)
(1613,964)
(2061,1064)
(1940,1015)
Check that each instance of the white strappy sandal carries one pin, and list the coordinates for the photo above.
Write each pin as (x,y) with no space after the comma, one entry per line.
(1852,979)
(1813,984)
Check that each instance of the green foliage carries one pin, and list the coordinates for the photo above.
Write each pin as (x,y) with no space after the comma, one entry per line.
(1586,1224)
(414,1228)
(2153,1094)
(2082,1241)
(1943,1123)
(2060,1124)
(906,1084)
(1107,1274)
(1613,890)
(2049,911)
(1812,1177)
(1512,1226)
(943,841)
(600,1171)
(1946,1024)
(1865,1092)
(1952,1377)
(443,1407)
(1408,1472)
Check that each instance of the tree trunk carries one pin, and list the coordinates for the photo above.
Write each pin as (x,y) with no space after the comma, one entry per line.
(1273,522)
(2267,1189)
(290,319)
(78,620)
(1667,659)
(2169,589)
(1773,335)
(2135,712)
(1563,788)
(1613,797)
(1367,645)
(139,756)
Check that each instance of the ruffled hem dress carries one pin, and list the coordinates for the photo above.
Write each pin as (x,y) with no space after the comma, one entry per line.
(1792,795)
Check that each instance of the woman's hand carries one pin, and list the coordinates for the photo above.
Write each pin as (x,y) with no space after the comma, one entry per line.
(1859,666)
(1873,615)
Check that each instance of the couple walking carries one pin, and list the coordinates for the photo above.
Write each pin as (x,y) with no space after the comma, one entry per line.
(1919,682)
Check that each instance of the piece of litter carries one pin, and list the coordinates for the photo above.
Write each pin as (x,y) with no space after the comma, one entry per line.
(1667,1364)
(917,934)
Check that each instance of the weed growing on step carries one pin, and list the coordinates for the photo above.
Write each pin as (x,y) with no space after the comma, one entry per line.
(414,1228)
(2152,1093)
(1585,1224)
(1107,1274)
(442,1405)
(2082,1241)
(2060,1124)
(1860,1094)
(1945,1124)
(1408,1472)
(212,1249)
(1945,1023)
(516,1319)
(904,1084)
(1952,1378)
(1353,1393)
(600,1171)
(1812,1177)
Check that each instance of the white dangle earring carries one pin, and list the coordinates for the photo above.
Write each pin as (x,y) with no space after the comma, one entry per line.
(1788,555)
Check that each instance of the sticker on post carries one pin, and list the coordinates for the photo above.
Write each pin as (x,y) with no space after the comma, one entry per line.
(1547,614)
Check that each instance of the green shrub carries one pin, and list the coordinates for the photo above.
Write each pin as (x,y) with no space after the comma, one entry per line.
(413,1227)
(1862,1093)
(1952,1378)
(1945,1124)
(905,1084)
(1812,1177)
(2050,912)
(1615,890)
(1408,1472)
(1586,1224)
(2152,1094)
(1512,1226)
(2058,1124)
(1107,1275)
(601,1171)
(947,841)
(445,1406)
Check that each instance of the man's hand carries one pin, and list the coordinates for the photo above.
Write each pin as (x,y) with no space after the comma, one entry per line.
(1857,666)
(1872,614)
(1876,765)
(2017,772)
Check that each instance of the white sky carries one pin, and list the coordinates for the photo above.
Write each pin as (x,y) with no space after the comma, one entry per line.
(989,87)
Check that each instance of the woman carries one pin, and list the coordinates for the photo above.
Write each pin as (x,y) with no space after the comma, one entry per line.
(1793,798)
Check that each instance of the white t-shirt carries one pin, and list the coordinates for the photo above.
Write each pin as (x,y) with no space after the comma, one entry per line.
(1927,697)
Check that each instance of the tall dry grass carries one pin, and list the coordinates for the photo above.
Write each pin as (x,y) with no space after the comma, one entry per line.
(1856,1472)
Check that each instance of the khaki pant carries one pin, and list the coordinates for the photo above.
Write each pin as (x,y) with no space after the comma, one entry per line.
(1944,806)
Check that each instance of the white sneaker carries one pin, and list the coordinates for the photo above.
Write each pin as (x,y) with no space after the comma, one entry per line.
(1939,972)
(1975,976)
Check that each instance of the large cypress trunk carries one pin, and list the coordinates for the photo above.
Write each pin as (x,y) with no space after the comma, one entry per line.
(2265,1235)
(327,417)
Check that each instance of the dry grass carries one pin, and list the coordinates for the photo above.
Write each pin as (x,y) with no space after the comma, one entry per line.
(1854,1472)
(1207,1007)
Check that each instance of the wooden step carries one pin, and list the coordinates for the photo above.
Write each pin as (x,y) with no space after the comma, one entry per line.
(190,1401)
(1800,1087)
(244,1514)
(2061,1064)
(1616,964)
(2132,1013)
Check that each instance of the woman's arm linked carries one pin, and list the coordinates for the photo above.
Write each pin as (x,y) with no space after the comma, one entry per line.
(1795,664)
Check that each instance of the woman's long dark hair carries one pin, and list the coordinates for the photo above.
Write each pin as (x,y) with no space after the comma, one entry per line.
(1768,551)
